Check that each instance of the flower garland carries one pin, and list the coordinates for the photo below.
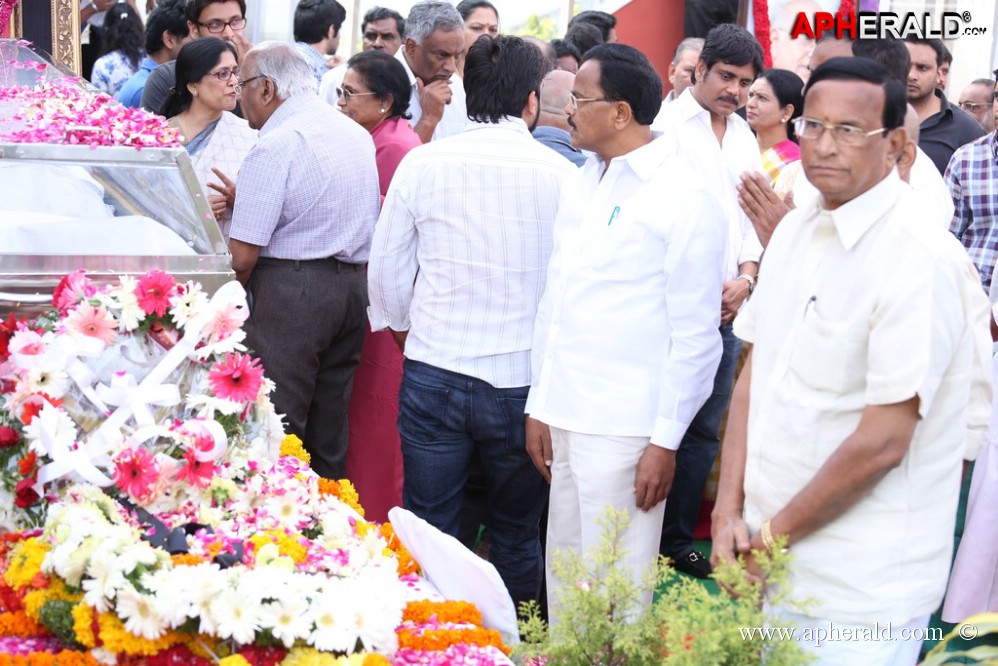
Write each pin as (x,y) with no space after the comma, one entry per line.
(847,7)
(62,112)
(6,9)
(760,17)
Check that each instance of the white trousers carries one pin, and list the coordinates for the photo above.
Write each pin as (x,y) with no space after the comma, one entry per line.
(588,474)
(841,644)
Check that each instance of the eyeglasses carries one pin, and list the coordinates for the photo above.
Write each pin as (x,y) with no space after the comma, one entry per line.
(241,84)
(348,94)
(844,135)
(219,25)
(973,106)
(226,73)
(582,100)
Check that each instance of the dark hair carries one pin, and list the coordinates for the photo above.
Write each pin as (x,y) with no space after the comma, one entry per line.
(626,75)
(889,52)
(947,55)
(195,60)
(731,45)
(603,21)
(313,19)
(499,75)
(466,7)
(167,17)
(563,47)
(380,14)
(123,32)
(935,44)
(195,7)
(385,76)
(870,71)
(584,36)
(787,88)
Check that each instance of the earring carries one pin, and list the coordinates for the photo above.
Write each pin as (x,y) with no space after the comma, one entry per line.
(783,120)
(381,110)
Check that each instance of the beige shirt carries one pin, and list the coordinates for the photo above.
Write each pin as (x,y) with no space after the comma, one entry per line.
(868,304)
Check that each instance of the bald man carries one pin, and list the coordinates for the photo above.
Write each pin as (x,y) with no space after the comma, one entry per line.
(552,124)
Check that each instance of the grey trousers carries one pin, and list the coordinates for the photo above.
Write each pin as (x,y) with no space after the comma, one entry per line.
(307,325)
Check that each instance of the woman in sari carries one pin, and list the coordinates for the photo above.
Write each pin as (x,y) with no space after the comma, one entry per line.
(200,105)
(775,100)
(375,94)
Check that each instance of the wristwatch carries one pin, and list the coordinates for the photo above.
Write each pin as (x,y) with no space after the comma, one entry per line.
(750,279)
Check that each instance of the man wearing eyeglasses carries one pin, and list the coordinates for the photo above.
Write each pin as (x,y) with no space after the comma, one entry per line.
(866,386)
(382,29)
(225,19)
(719,146)
(978,99)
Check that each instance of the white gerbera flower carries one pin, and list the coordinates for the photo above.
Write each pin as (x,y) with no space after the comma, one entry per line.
(51,429)
(236,612)
(333,630)
(123,301)
(140,613)
(49,381)
(287,619)
(104,579)
(187,305)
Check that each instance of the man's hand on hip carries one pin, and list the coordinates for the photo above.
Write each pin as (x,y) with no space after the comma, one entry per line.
(653,479)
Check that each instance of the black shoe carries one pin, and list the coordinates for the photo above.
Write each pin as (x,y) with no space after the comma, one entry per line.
(694,563)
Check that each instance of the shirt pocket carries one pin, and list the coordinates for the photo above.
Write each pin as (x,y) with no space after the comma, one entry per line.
(621,251)
(830,355)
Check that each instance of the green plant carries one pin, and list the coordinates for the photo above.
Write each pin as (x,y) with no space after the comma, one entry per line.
(601,619)
(973,641)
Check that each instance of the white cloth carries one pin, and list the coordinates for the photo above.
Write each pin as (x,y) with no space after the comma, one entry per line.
(834,643)
(718,165)
(866,305)
(227,148)
(455,116)
(332,80)
(461,248)
(935,202)
(627,339)
(588,474)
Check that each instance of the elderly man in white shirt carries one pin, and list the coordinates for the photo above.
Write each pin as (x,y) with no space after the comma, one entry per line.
(626,343)
(431,47)
(457,268)
(867,386)
(719,147)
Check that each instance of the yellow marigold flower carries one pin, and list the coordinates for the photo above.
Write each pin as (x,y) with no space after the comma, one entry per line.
(115,638)
(25,562)
(375,660)
(83,616)
(344,490)
(56,591)
(291,445)
(234,660)
(306,656)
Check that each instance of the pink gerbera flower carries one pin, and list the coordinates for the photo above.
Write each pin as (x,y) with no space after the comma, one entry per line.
(154,291)
(196,473)
(71,289)
(135,472)
(92,322)
(237,378)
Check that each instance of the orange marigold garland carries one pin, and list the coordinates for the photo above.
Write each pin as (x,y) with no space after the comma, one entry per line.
(64,658)
(406,564)
(441,639)
(20,625)
(431,612)
(344,491)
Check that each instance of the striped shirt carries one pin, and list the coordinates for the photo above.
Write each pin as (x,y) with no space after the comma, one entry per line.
(460,253)
(972,179)
(309,188)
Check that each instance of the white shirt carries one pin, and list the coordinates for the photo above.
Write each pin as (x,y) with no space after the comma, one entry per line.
(935,202)
(719,165)
(627,340)
(455,114)
(866,305)
(332,80)
(460,252)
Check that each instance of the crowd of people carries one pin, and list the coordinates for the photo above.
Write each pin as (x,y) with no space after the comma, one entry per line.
(507,283)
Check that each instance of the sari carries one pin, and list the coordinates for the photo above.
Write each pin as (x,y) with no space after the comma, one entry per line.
(779,156)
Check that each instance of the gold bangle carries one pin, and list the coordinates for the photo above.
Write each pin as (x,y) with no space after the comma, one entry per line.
(766,532)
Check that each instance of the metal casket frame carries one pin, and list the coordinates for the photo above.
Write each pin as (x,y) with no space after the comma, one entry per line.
(156,187)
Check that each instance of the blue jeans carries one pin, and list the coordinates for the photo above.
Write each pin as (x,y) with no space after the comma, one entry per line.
(696,456)
(445,418)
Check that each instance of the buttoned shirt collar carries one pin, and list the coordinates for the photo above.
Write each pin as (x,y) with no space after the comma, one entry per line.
(855,217)
(645,160)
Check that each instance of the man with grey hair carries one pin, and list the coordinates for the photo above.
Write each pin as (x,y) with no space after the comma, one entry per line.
(978,99)
(431,47)
(683,64)
(307,201)
(552,128)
